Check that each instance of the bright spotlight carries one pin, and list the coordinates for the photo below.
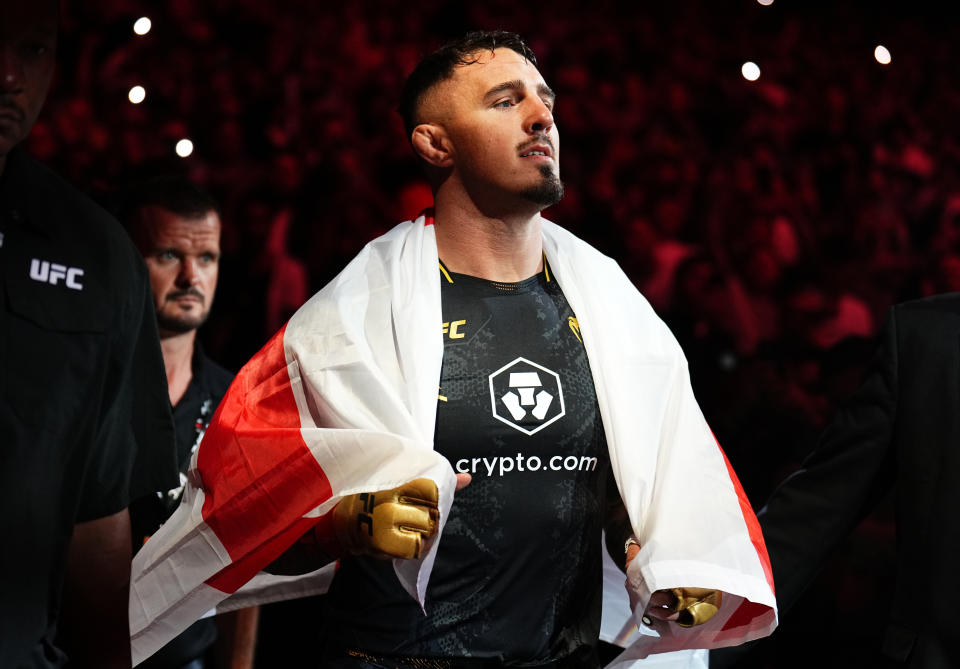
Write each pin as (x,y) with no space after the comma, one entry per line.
(882,54)
(765,3)
(142,25)
(184,148)
(137,94)
(750,71)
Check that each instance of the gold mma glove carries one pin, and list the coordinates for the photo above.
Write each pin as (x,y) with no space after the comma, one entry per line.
(696,605)
(385,524)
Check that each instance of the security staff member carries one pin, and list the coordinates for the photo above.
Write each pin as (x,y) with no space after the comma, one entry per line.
(83,403)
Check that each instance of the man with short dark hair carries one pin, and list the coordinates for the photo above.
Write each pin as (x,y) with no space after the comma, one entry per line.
(482,344)
(176,225)
(81,379)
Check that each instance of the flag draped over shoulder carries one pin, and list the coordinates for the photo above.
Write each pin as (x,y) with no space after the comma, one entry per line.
(343,400)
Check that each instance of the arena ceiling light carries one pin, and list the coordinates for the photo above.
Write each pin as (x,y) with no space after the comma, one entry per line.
(184,147)
(137,94)
(882,54)
(750,71)
(142,25)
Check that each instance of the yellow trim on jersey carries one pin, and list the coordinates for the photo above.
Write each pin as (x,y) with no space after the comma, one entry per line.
(546,270)
(445,272)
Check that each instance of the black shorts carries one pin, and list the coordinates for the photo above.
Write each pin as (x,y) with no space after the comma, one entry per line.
(346,658)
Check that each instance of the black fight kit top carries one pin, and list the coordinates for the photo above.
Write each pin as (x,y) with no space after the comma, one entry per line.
(517,576)
(84,419)
(191,417)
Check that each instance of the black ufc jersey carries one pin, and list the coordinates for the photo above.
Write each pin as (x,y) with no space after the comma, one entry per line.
(517,574)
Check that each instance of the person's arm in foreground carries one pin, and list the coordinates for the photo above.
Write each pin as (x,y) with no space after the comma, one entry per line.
(96,592)
(813,509)
(237,638)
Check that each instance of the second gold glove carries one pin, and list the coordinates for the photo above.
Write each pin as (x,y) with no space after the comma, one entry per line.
(696,605)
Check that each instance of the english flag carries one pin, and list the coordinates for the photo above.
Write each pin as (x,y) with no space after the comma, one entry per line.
(343,400)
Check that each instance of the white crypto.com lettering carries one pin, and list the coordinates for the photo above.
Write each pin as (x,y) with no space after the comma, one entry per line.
(503,465)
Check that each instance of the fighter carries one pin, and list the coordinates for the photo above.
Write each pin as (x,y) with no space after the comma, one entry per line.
(479,340)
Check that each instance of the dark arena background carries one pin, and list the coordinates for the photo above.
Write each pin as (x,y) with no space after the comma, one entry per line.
(772,176)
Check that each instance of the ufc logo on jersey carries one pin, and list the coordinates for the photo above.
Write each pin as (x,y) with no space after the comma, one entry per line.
(453,329)
(53,273)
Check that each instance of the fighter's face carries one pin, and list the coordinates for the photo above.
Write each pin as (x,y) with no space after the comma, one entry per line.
(28,37)
(498,117)
(182,256)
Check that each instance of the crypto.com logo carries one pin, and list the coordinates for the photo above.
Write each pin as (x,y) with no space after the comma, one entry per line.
(526,396)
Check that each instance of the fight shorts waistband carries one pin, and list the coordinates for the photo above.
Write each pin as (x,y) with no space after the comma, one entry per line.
(365,659)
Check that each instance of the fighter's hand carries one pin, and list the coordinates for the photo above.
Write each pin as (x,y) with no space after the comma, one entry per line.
(687,607)
(696,605)
(384,524)
(632,551)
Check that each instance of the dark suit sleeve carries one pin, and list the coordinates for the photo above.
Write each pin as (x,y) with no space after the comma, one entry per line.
(838,484)
(852,466)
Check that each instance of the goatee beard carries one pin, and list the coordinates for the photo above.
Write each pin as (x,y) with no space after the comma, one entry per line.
(181,324)
(548,192)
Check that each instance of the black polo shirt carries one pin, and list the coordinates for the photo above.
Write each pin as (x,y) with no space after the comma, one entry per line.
(84,400)
(191,417)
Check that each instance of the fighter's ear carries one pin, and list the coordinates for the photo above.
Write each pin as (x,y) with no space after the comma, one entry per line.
(431,143)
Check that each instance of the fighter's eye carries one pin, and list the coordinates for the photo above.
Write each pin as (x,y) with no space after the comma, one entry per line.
(503,104)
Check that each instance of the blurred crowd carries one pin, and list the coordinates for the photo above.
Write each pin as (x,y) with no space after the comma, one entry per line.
(771,223)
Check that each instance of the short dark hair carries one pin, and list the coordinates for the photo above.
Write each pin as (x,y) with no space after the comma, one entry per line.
(440,65)
(173,192)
